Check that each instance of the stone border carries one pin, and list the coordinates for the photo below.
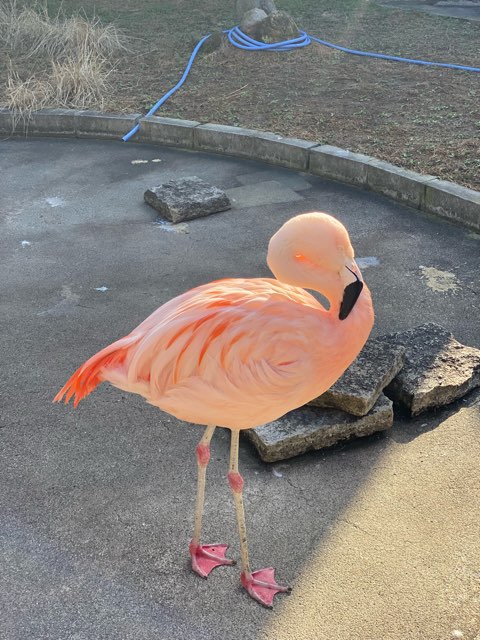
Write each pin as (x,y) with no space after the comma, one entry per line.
(427,193)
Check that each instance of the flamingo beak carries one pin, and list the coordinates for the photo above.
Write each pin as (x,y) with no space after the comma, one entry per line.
(353,289)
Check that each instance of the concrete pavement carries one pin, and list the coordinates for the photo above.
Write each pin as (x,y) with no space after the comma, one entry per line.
(378,537)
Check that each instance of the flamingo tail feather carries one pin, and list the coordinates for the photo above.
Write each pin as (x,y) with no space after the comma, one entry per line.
(89,375)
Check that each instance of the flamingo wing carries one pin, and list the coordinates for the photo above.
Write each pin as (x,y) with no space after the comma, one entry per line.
(232,353)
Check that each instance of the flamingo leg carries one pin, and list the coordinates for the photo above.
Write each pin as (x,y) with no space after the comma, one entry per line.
(205,557)
(259,584)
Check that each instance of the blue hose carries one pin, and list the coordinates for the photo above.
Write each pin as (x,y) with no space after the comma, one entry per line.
(172,90)
(243,41)
(384,56)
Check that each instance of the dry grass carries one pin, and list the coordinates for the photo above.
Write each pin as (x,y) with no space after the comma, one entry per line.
(74,57)
(26,95)
(32,31)
(80,83)
(23,29)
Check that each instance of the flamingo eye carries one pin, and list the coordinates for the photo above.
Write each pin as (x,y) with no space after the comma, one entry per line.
(299,257)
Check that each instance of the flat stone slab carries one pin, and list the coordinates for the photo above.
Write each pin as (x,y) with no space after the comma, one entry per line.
(437,369)
(186,199)
(362,383)
(310,428)
(288,179)
(262,193)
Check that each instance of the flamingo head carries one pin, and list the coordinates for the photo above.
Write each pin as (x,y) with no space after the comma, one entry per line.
(313,251)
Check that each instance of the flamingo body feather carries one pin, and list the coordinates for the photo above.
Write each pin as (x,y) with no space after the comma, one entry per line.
(236,353)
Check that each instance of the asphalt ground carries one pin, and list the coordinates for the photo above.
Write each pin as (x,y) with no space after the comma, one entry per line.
(455,9)
(379,537)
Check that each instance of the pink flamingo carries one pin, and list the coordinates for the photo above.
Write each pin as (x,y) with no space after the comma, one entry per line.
(238,353)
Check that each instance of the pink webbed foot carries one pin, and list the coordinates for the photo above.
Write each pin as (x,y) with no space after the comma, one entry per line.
(205,557)
(262,587)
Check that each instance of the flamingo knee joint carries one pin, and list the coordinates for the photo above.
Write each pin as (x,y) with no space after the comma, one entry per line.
(203,454)
(235,481)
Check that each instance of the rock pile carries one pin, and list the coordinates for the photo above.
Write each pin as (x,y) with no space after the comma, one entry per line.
(310,428)
(437,369)
(421,369)
(261,20)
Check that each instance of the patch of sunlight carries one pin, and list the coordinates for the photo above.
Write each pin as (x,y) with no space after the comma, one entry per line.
(403,560)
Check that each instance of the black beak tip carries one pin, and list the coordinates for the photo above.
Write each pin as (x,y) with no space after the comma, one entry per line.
(350,297)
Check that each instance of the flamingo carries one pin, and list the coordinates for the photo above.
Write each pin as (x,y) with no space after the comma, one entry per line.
(237,353)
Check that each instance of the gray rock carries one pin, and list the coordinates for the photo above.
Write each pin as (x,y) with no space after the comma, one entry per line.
(362,383)
(242,6)
(251,22)
(268,6)
(437,369)
(277,26)
(186,198)
(310,428)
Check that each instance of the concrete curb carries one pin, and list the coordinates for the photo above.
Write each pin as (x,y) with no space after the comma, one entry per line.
(256,145)
(426,193)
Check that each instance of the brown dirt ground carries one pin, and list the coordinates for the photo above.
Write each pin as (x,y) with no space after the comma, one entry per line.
(425,119)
